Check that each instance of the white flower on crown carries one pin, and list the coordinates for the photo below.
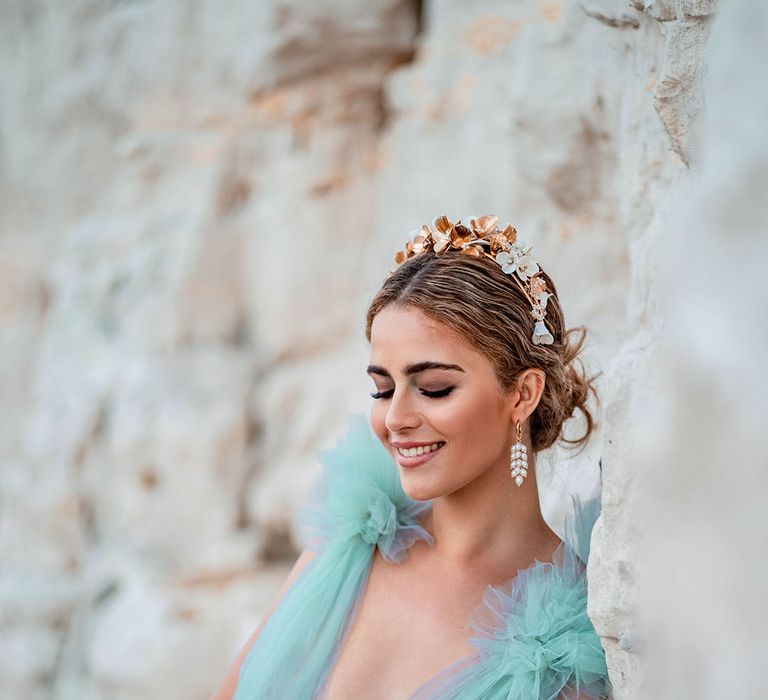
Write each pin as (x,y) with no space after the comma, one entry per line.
(507,261)
(517,262)
(526,267)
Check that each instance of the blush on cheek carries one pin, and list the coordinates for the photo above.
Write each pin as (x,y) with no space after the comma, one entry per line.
(474,431)
(467,420)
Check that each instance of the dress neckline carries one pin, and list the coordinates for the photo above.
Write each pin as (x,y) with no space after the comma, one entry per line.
(477,619)
(480,619)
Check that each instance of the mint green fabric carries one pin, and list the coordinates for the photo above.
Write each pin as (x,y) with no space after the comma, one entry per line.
(532,636)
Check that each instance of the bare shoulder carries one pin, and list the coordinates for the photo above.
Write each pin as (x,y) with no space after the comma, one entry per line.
(229,685)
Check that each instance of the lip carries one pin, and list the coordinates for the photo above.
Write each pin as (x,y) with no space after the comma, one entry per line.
(406,445)
(410,462)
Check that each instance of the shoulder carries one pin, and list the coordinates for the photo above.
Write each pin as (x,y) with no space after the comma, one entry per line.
(358,496)
(226,690)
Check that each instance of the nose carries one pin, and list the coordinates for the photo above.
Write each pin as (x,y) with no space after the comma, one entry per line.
(401,413)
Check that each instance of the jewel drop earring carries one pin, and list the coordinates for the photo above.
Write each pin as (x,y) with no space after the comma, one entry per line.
(519,457)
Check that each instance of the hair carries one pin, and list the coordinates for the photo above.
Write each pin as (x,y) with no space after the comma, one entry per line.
(474,297)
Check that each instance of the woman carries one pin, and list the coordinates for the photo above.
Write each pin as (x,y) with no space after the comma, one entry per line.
(430,571)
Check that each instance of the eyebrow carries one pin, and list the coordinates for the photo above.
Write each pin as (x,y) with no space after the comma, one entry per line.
(414,368)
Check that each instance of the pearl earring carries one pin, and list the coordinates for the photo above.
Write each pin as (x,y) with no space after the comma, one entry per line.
(519,458)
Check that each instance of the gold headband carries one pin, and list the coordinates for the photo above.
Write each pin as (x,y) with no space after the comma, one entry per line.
(472,236)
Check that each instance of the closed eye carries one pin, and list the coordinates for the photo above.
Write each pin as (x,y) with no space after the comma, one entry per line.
(431,394)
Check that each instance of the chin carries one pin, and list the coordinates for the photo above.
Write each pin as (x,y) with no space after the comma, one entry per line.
(416,491)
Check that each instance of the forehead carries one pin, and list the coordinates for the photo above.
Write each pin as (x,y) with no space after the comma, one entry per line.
(406,332)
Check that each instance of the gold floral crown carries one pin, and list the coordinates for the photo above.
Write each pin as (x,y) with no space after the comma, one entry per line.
(481,236)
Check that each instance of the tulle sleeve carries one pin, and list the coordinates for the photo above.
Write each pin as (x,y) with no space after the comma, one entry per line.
(359,495)
(533,637)
(357,504)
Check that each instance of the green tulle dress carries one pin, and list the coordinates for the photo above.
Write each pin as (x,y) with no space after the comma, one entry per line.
(532,636)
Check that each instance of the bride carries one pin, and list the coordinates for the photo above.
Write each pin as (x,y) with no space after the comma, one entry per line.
(430,571)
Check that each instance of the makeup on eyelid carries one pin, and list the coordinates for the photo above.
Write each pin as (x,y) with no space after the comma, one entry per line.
(430,393)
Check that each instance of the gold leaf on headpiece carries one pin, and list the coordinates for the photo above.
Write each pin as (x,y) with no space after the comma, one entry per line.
(400,257)
(422,241)
(485,225)
(476,251)
(510,233)
(442,233)
(499,242)
(460,235)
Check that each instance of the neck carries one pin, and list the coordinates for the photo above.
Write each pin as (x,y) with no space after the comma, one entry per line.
(491,526)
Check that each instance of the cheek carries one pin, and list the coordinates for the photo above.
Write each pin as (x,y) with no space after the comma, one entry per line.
(468,417)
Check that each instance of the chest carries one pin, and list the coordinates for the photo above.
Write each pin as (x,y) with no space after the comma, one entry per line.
(410,624)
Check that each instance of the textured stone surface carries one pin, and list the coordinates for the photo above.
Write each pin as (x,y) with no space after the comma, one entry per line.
(703,437)
(169,366)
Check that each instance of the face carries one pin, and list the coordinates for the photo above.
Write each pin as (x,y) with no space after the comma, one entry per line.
(433,387)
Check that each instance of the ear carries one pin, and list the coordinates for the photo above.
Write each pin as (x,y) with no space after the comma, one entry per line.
(530,386)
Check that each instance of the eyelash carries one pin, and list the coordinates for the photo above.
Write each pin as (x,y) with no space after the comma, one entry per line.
(431,394)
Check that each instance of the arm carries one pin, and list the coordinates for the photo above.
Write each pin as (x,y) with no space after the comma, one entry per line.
(229,685)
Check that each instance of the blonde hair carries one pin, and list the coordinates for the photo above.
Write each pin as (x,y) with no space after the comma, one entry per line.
(473,296)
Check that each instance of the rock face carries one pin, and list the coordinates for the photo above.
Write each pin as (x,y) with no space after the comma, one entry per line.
(702,439)
(198,200)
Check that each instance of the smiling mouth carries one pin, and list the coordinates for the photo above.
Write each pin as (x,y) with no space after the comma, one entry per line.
(428,452)
(411,452)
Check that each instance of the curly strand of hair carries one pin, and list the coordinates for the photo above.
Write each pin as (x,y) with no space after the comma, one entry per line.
(581,384)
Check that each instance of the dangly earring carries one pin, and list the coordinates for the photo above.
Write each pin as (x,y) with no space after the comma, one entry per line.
(519,458)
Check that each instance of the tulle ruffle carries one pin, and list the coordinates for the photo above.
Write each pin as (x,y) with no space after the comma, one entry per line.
(359,495)
(532,635)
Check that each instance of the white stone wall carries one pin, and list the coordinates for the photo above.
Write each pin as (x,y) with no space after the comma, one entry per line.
(197,202)
(702,438)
